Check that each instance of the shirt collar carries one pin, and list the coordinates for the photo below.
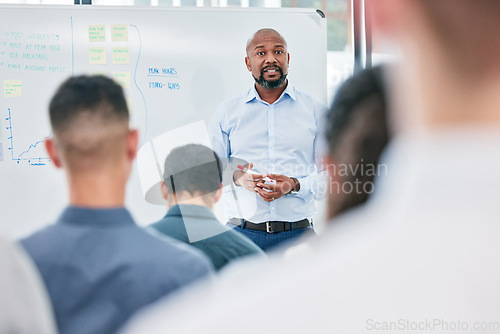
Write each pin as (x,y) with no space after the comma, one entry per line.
(106,217)
(289,91)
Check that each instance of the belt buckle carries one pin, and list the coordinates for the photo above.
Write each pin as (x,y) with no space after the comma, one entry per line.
(269,227)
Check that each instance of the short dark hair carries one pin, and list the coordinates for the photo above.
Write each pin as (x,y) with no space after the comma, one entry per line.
(357,130)
(96,95)
(192,168)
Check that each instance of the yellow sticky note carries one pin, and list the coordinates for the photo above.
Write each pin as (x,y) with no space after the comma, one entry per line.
(121,55)
(12,88)
(97,56)
(123,78)
(119,33)
(97,33)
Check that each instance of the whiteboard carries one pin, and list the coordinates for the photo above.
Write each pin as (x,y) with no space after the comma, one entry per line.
(176,65)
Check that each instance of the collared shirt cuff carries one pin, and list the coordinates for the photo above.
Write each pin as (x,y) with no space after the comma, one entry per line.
(305,189)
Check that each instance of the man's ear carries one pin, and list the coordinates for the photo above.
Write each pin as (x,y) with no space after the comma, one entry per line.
(51,148)
(164,191)
(218,194)
(247,62)
(132,144)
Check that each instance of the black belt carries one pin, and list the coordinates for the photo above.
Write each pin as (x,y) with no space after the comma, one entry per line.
(270,226)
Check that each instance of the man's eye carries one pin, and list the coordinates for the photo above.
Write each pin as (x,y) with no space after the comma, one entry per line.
(260,53)
(279,52)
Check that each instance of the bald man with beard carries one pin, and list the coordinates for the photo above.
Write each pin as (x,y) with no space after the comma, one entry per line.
(273,130)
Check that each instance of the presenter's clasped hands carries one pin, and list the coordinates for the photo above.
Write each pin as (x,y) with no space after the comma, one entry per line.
(269,191)
(282,185)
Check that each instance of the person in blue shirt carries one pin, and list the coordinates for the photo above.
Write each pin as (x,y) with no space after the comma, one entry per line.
(98,265)
(275,128)
(191,186)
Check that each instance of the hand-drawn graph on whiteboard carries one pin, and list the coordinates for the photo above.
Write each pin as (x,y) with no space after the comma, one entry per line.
(34,154)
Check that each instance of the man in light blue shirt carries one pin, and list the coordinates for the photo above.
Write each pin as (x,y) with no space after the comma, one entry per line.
(98,265)
(275,128)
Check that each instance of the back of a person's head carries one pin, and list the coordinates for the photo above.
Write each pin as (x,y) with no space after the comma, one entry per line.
(357,134)
(89,118)
(193,168)
(464,29)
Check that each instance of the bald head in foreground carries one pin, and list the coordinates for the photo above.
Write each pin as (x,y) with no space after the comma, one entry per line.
(98,265)
(422,255)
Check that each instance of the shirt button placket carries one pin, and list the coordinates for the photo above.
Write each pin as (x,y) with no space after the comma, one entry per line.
(272,153)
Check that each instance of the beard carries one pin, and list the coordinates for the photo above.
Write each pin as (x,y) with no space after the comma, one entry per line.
(271,84)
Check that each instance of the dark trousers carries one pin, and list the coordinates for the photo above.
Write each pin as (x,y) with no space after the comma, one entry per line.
(272,241)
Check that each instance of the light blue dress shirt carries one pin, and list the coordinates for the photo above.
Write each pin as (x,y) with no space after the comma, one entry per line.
(279,138)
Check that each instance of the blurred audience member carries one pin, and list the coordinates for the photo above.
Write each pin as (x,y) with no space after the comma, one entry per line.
(192,184)
(357,133)
(98,265)
(24,306)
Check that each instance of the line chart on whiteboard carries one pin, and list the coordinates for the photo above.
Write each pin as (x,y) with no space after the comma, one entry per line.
(25,155)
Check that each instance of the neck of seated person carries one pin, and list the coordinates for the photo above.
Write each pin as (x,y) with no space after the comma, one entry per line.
(98,189)
(197,198)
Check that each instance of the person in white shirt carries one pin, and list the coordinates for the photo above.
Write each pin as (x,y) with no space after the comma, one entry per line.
(422,254)
(24,305)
